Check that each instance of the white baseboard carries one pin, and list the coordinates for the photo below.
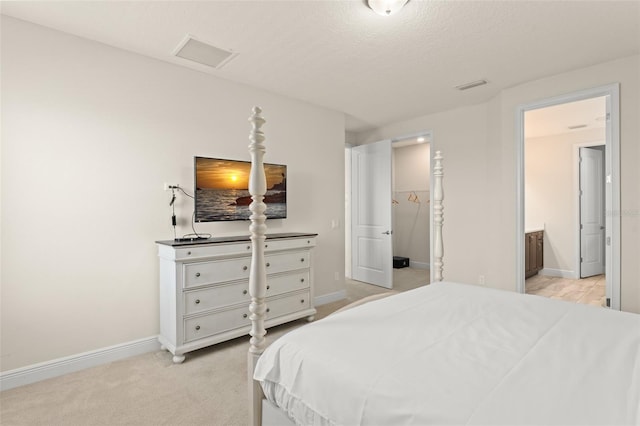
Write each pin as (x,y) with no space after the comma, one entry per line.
(58,367)
(558,273)
(419,265)
(330,298)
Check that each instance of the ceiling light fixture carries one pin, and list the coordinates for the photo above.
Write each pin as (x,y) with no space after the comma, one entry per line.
(386,7)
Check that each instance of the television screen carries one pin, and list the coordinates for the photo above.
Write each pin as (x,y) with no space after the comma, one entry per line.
(221,190)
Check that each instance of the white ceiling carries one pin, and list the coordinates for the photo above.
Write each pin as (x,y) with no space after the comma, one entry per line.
(341,55)
(582,115)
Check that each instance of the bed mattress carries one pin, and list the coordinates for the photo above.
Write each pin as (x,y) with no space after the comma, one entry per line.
(450,353)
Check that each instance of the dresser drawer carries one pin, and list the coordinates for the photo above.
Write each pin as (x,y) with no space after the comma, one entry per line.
(218,322)
(231,294)
(287,261)
(198,251)
(216,297)
(216,271)
(274,245)
(221,321)
(285,283)
(280,306)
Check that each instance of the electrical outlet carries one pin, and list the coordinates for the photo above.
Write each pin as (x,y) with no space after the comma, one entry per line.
(481,280)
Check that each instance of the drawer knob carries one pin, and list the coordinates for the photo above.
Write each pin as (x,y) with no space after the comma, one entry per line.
(248,247)
(268,264)
(268,310)
(268,287)
(244,268)
(244,315)
(197,274)
(301,280)
(197,301)
(188,253)
(302,259)
(244,291)
(197,327)
(266,245)
(301,300)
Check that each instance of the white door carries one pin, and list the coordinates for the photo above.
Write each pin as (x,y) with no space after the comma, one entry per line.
(592,214)
(371,244)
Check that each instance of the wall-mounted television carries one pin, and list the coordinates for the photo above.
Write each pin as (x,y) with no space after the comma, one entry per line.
(221,190)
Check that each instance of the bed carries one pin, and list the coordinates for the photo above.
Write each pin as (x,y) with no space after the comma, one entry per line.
(446,353)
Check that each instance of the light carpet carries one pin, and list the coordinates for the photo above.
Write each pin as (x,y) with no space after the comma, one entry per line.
(209,388)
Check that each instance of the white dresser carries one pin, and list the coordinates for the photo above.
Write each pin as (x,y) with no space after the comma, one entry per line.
(204,288)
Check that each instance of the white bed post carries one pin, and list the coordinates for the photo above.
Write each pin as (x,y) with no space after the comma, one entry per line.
(438,196)
(258,273)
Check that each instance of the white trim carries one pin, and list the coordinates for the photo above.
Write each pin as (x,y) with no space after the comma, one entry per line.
(347,212)
(419,265)
(548,272)
(330,298)
(399,139)
(612,165)
(432,151)
(520,141)
(612,161)
(58,367)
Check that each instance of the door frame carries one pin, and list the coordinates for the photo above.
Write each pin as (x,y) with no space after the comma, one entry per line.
(612,188)
(428,134)
(576,194)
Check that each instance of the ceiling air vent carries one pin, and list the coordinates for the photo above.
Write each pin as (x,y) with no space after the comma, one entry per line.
(197,51)
(471,85)
(577,126)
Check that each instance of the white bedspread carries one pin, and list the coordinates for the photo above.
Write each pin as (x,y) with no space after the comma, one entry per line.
(458,354)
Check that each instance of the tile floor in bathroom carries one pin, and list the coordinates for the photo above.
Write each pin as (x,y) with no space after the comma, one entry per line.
(589,291)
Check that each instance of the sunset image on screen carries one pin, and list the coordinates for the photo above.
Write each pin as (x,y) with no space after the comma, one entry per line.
(227,174)
(221,174)
(221,190)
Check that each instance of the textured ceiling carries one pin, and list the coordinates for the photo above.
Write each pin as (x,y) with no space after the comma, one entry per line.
(341,55)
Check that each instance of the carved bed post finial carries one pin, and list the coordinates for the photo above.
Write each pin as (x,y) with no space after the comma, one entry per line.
(257,273)
(438,196)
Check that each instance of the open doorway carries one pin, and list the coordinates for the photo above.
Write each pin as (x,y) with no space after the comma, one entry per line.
(408,202)
(564,201)
(569,146)
(411,211)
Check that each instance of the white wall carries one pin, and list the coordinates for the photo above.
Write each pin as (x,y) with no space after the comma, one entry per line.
(90,134)
(550,195)
(479,148)
(411,173)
